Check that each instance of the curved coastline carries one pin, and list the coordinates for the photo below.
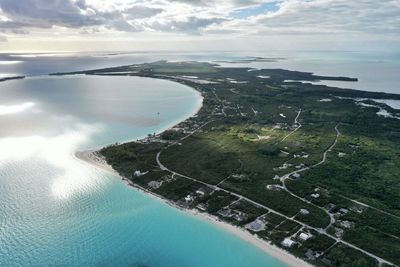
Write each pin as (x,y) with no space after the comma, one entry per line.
(92,157)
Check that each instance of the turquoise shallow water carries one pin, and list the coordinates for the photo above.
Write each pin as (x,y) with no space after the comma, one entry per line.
(57,211)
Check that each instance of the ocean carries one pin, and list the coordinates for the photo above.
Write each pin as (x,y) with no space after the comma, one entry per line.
(58,211)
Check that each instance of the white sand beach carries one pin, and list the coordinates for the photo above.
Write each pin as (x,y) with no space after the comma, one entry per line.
(92,157)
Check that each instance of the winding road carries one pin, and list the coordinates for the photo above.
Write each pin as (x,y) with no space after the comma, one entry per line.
(216,187)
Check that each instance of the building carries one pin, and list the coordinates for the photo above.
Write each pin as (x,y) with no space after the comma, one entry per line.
(287,242)
(189,198)
(305,236)
(274,187)
(304,212)
(315,195)
(239,216)
(301,165)
(312,255)
(200,192)
(155,184)
(202,207)
(139,173)
(225,212)
(343,211)
(346,224)
(339,232)
(256,225)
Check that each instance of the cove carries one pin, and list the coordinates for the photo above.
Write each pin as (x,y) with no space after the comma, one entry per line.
(57,211)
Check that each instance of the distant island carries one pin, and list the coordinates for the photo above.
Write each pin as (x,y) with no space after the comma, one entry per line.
(251,59)
(11,78)
(309,168)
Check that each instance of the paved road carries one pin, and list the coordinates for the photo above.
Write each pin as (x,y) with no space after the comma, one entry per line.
(214,187)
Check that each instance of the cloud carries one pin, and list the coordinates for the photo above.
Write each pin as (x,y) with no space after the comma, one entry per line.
(141,11)
(64,13)
(188,25)
(207,17)
(234,3)
(329,16)
(41,13)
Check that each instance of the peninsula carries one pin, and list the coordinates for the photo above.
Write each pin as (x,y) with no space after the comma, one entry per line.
(311,169)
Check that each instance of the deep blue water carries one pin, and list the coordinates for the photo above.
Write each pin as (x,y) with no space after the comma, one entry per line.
(58,211)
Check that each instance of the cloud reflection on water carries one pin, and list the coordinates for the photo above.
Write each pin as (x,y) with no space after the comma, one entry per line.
(10,109)
(57,151)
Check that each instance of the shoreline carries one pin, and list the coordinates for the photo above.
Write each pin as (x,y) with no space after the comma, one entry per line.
(91,157)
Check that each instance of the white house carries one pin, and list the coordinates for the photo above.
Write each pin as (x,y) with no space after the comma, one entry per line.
(287,242)
(304,212)
(188,198)
(304,236)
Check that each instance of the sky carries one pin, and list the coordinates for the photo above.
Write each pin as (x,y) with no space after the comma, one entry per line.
(189,25)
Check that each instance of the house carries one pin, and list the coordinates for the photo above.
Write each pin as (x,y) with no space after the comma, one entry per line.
(285,165)
(305,236)
(287,242)
(200,192)
(239,216)
(357,209)
(343,211)
(139,173)
(346,224)
(315,195)
(189,198)
(202,207)
(311,255)
(339,232)
(256,225)
(167,178)
(225,212)
(274,187)
(304,212)
(155,184)
(301,165)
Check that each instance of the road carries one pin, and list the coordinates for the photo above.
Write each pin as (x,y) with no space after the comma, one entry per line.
(296,122)
(215,187)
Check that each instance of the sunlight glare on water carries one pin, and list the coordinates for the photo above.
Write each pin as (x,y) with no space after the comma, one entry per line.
(9,109)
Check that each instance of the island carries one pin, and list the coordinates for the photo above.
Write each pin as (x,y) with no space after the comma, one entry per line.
(311,169)
(4,79)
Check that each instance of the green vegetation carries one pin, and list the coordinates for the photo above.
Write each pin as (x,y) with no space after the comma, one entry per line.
(341,255)
(297,157)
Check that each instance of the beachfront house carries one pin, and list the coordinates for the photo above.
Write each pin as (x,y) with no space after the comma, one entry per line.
(256,225)
(287,242)
(189,198)
(154,184)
